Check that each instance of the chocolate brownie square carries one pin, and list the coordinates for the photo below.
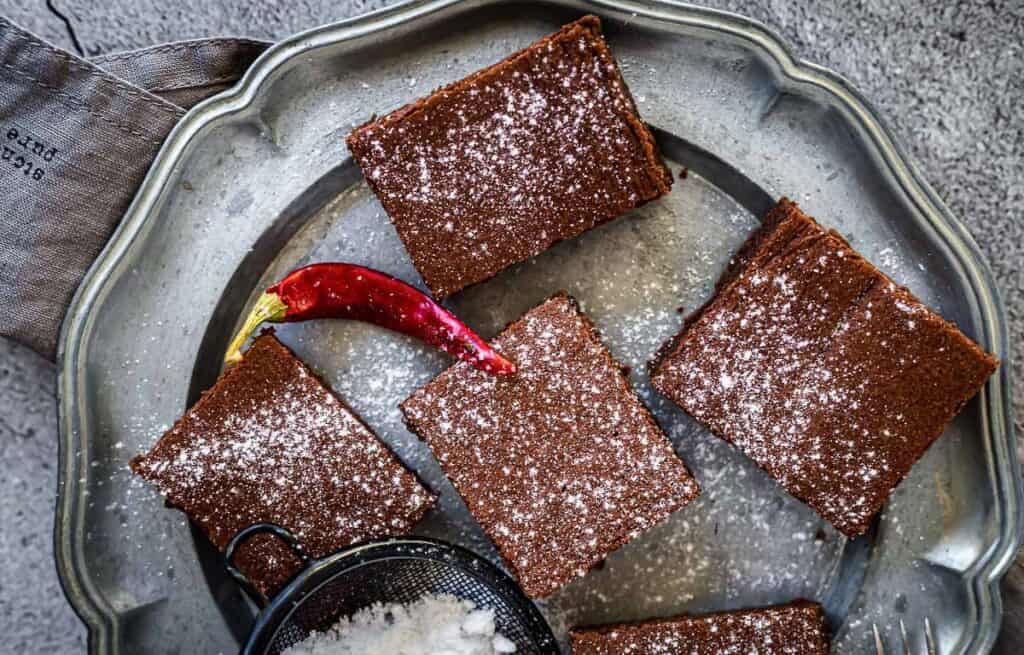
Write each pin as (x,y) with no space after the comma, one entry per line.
(816,365)
(271,443)
(498,167)
(561,463)
(794,629)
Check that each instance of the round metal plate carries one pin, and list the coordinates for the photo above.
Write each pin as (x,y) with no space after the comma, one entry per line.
(257,181)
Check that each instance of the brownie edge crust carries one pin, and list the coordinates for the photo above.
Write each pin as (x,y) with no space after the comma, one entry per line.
(794,629)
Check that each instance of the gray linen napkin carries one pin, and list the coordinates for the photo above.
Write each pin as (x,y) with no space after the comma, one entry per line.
(76,139)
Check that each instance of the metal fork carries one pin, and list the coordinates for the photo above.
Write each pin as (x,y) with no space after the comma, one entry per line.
(929,639)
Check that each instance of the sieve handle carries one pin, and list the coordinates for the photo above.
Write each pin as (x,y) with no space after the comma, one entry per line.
(244,535)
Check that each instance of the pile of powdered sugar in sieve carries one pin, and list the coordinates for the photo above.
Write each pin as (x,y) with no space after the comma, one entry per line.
(433,625)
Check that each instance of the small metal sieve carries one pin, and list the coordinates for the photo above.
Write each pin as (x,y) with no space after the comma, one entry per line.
(385,571)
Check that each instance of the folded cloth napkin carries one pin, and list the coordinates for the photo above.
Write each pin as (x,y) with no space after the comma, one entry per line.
(76,139)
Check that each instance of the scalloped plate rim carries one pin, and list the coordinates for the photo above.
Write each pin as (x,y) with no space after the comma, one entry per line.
(984,575)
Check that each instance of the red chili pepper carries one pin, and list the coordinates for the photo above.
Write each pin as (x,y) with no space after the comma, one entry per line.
(338,290)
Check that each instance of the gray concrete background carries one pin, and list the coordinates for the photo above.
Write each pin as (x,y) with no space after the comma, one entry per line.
(949,78)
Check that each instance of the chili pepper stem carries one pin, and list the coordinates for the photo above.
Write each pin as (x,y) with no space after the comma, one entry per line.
(268,307)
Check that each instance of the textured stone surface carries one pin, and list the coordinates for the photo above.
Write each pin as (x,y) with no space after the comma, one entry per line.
(33,615)
(949,79)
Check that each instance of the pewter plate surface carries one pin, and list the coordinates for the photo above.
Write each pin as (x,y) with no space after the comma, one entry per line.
(257,181)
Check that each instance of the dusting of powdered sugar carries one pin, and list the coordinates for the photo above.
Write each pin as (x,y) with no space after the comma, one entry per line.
(275,446)
(270,443)
(754,372)
(560,463)
(436,624)
(534,151)
(767,366)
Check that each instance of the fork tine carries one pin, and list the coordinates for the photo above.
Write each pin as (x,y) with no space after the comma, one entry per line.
(879,648)
(903,635)
(929,638)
